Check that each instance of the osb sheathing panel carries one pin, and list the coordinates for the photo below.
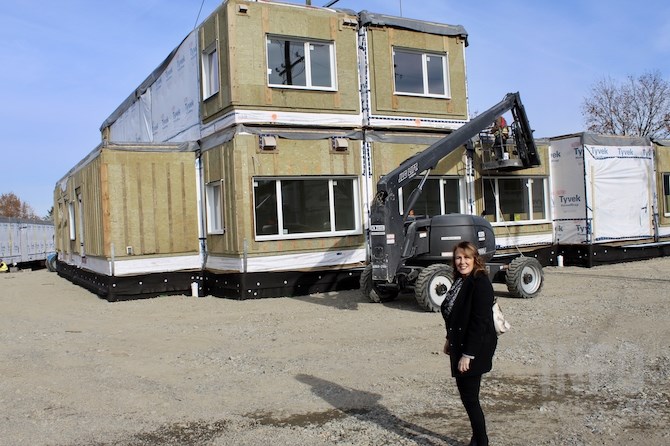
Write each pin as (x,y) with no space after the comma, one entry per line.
(211,36)
(381,42)
(84,182)
(60,219)
(244,35)
(219,165)
(150,203)
(388,156)
(242,161)
(515,230)
(662,155)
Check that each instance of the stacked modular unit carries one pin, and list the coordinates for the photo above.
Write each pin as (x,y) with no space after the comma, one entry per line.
(604,199)
(264,133)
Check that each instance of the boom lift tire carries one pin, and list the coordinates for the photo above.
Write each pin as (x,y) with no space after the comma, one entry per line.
(432,285)
(524,277)
(372,293)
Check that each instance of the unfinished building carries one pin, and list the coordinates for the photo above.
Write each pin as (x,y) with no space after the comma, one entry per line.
(244,165)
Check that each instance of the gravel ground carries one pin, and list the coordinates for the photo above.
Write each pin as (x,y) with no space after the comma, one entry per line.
(586,363)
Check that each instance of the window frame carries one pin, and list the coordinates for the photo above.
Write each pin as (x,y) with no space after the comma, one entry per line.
(308,65)
(442,185)
(72,220)
(498,220)
(666,193)
(282,235)
(425,55)
(214,206)
(211,79)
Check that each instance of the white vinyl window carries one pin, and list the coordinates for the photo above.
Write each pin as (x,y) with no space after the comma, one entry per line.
(210,72)
(666,194)
(421,74)
(439,196)
(516,200)
(305,207)
(300,64)
(214,208)
(72,224)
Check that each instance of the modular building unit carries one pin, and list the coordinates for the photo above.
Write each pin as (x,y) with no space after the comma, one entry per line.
(604,199)
(291,219)
(280,150)
(25,241)
(126,221)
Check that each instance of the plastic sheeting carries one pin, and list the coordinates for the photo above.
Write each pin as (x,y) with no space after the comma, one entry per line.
(288,262)
(165,108)
(601,193)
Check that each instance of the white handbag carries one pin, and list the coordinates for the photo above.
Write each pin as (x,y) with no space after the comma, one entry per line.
(499,321)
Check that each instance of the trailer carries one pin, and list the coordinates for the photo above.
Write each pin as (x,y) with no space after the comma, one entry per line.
(24,242)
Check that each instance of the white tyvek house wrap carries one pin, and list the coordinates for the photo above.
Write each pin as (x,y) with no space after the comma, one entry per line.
(619,191)
(601,193)
(134,125)
(168,110)
(174,96)
(567,190)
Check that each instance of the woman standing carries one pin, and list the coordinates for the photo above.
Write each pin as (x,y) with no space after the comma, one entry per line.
(471,337)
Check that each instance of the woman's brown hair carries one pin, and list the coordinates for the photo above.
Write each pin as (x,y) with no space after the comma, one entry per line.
(471,251)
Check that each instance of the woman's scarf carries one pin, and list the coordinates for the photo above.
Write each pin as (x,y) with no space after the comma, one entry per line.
(449,299)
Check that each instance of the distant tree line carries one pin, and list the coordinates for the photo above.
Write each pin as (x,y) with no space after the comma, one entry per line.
(13,207)
(639,106)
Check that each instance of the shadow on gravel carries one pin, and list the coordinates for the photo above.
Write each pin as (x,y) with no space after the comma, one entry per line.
(365,407)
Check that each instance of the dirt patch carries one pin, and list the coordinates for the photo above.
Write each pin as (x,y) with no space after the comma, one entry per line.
(586,362)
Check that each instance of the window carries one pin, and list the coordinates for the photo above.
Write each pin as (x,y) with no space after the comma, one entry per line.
(515,199)
(71,220)
(305,207)
(214,208)
(421,74)
(300,64)
(666,193)
(210,72)
(440,196)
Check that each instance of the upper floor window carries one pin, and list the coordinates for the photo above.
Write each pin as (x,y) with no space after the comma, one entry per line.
(515,199)
(214,208)
(300,64)
(422,74)
(305,207)
(439,196)
(210,71)
(666,193)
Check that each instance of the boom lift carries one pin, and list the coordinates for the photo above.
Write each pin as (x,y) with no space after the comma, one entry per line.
(416,252)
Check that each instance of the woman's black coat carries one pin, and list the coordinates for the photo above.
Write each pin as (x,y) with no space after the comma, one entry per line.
(470,328)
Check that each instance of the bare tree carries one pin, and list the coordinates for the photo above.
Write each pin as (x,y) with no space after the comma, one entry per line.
(12,206)
(637,107)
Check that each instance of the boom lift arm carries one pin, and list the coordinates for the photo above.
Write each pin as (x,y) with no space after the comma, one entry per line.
(387,226)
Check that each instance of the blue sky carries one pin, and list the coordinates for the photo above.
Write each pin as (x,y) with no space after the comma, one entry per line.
(67,65)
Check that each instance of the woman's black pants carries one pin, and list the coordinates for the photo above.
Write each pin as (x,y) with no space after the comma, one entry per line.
(468,388)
